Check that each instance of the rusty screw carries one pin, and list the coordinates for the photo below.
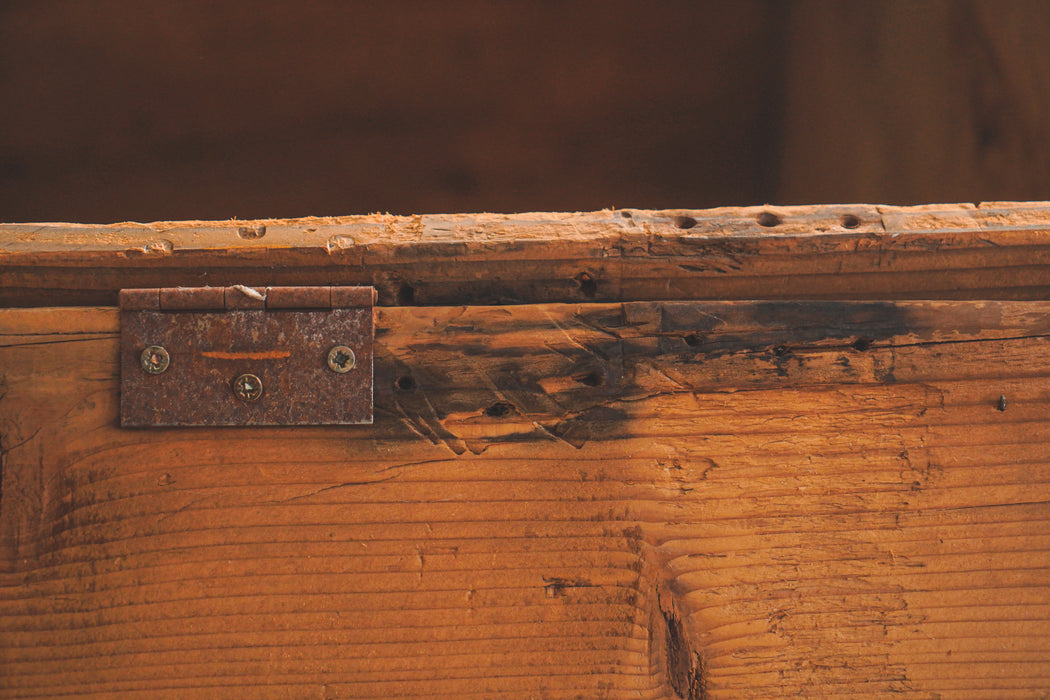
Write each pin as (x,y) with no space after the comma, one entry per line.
(341,359)
(154,359)
(247,387)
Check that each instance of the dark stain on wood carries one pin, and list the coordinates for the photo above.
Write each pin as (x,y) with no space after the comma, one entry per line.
(777,327)
(570,374)
(555,586)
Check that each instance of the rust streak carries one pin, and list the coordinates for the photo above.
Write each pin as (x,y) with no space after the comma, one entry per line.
(265,355)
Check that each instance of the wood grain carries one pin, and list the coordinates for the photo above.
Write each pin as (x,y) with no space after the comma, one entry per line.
(994,251)
(621,500)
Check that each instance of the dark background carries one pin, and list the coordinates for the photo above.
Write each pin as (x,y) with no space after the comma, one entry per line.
(120,110)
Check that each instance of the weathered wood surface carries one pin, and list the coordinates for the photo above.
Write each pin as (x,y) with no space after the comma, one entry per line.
(992,251)
(641,500)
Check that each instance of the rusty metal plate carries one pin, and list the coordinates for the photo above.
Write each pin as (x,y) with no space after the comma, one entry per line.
(271,365)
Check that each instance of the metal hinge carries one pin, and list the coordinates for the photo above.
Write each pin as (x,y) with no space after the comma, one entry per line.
(211,356)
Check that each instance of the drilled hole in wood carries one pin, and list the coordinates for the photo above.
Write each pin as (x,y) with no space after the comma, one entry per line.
(588,287)
(626,214)
(405,383)
(406,295)
(692,340)
(768,219)
(862,344)
(594,378)
(684,221)
(500,409)
(850,221)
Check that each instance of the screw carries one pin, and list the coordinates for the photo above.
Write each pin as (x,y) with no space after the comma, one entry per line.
(154,359)
(247,387)
(341,359)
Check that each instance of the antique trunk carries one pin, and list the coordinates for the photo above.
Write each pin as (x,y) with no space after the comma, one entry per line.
(621,454)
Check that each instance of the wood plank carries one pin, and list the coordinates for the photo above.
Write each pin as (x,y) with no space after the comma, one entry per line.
(601,500)
(994,251)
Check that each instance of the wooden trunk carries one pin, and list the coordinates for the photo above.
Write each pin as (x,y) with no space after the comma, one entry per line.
(623,454)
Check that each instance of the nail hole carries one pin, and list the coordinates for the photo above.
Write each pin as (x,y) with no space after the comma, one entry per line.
(406,383)
(500,409)
(588,287)
(780,350)
(594,378)
(862,344)
(406,295)
(768,219)
(684,221)
(250,232)
(850,221)
(692,340)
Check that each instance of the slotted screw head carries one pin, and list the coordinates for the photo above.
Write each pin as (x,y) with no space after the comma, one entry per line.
(154,359)
(247,387)
(341,359)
